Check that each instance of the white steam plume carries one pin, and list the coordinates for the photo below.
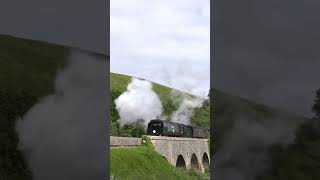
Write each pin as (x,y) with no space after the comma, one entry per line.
(186,108)
(244,153)
(63,135)
(139,102)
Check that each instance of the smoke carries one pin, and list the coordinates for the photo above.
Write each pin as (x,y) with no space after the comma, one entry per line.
(186,78)
(138,103)
(186,107)
(244,153)
(63,135)
(141,104)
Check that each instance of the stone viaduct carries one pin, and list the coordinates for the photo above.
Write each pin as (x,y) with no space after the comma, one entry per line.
(188,153)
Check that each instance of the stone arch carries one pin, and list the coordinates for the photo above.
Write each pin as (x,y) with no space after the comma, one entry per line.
(194,162)
(181,162)
(205,161)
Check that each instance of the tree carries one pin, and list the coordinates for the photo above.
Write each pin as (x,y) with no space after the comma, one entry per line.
(316,106)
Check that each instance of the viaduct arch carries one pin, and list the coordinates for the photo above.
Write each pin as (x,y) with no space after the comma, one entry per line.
(188,153)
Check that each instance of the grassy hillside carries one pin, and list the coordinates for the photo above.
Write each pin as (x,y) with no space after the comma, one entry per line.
(118,84)
(299,160)
(144,163)
(27,71)
(228,109)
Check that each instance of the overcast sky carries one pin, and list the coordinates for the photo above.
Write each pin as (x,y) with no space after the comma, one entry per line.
(268,51)
(162,40)
(79,23)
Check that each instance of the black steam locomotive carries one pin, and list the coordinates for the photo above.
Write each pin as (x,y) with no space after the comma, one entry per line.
(159,127)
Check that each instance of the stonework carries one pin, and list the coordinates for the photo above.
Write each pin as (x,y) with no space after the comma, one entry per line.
(171,147)
(124,141)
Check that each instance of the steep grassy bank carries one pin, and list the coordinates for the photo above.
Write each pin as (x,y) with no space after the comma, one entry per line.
(27,72)
(144,163)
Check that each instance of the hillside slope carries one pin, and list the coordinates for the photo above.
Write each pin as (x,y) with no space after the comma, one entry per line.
(119,83)
(144,163)
(27,72)
(229,109)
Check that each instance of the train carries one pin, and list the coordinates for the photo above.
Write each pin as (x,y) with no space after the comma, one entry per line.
(158,127)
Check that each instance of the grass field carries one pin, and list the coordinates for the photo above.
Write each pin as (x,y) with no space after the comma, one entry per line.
(144,163)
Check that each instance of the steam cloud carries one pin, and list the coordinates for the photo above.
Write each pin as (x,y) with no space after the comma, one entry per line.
(186,108)
(139,102)
(244,153)
(63,135)
(187,78)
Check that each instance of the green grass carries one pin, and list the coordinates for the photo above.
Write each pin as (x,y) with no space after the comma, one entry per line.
(28,65)
(119,83)
(144,163)
(27,72)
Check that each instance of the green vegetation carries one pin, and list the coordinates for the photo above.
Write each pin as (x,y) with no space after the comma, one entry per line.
(227,109)
(27,72)
(144,163)
(300,160)
(118,84)
(201,115)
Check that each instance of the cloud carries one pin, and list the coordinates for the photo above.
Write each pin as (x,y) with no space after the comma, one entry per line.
(149,36)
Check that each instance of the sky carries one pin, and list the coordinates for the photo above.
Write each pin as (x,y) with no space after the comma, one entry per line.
(77,23)
(268,51)
(164,41)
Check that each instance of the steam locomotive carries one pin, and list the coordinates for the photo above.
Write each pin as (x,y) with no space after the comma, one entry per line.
(159,127)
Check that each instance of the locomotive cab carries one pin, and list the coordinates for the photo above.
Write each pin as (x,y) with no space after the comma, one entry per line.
(155,127)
